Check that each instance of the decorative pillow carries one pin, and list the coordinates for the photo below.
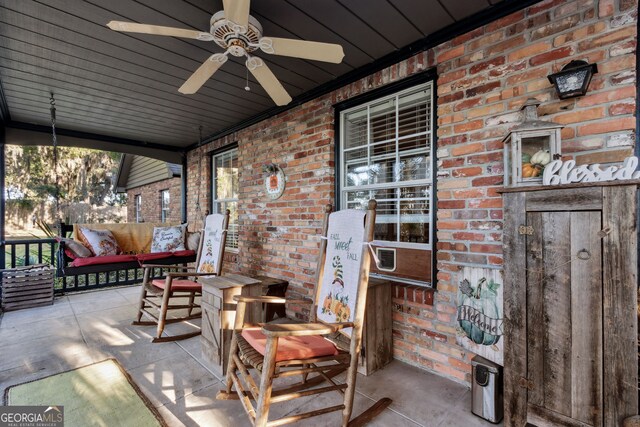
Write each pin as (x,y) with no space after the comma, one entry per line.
(101,242)
(74,249)
(168,239)
(193,241)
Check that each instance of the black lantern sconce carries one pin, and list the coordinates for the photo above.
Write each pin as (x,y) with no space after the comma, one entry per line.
(573,79)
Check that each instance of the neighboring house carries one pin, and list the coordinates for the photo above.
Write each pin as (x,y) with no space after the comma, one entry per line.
(153,189)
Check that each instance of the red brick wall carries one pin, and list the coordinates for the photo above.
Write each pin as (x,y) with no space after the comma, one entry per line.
(151,204)
(483,78)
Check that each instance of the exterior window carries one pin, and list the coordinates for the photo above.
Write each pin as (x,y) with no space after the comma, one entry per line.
(225,190)
(164,205)
(386,151)
(138,207)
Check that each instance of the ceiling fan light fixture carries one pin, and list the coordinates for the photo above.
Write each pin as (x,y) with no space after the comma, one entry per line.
(205,37)
(225,33)
(266,45)
(240,34)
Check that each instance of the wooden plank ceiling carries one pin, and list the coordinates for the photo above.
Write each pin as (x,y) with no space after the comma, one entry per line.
(125,85)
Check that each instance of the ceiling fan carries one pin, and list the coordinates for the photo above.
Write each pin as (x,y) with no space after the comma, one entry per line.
(240,34)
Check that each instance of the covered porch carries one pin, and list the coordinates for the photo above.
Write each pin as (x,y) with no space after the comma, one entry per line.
(84,328)
(419,117)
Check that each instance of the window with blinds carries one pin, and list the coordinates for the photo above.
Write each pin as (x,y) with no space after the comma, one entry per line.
(386,149)
(225,186)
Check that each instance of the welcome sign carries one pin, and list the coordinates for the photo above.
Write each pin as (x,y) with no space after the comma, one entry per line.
(341,277)
(480,315)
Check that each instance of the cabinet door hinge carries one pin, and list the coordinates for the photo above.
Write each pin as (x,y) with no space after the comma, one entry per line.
(525,383)
(525,229)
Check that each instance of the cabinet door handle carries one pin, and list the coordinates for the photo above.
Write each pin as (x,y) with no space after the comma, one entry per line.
(583,254)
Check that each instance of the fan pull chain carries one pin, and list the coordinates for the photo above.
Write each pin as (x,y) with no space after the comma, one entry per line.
(247,88)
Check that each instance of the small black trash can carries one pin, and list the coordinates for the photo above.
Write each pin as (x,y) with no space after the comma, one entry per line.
(486,390)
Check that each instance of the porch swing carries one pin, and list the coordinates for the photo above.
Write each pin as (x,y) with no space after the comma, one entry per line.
(102,268)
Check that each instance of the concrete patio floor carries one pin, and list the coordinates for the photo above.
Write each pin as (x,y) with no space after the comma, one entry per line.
(81,329)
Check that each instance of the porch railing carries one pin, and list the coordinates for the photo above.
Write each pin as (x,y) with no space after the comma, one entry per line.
(19,253)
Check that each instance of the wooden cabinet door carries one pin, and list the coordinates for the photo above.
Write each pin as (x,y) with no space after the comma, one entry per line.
(570,303)
(211,327)
(564,318)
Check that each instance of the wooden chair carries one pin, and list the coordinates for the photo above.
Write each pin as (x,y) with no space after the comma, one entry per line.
(156,296)
(279,351)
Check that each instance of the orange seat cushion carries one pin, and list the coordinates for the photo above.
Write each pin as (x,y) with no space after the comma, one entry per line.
(179,285)
(290,348)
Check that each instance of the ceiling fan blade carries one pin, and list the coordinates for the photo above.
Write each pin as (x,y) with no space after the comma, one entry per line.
(132,27)
(203,73)
(237,11)
(268,80)
(317,51)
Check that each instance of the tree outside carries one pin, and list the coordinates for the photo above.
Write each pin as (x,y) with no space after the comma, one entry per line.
(84,187)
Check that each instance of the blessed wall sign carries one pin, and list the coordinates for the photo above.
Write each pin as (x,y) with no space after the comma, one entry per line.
(558,172)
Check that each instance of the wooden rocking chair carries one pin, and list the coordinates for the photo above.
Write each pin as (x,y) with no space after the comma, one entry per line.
(156,296)
(283,350)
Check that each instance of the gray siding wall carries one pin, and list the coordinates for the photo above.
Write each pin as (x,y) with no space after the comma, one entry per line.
(145,170)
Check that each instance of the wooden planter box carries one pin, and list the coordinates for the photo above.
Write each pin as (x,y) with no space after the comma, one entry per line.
(25,287)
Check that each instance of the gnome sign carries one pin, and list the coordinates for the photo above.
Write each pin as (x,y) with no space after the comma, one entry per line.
(341,274)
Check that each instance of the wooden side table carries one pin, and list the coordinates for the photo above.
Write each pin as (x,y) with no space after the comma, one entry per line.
(219,311)
(377,333)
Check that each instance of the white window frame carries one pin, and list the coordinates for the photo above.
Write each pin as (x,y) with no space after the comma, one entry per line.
(137,206)
(215,202)
(165,211)
(429,182)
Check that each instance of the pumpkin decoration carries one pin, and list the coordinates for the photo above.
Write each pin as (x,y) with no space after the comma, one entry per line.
(336,303)
(482,300)
(542,158)
(532,166)
(530,170)
(327,303)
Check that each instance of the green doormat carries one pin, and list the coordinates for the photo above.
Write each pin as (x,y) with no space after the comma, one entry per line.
(101,394)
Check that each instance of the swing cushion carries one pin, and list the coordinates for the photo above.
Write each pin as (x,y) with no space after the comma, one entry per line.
(142,258)
(101,242)
(98,260)
(291,348)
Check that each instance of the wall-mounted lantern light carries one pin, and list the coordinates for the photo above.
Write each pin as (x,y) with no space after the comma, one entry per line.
(573,79)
